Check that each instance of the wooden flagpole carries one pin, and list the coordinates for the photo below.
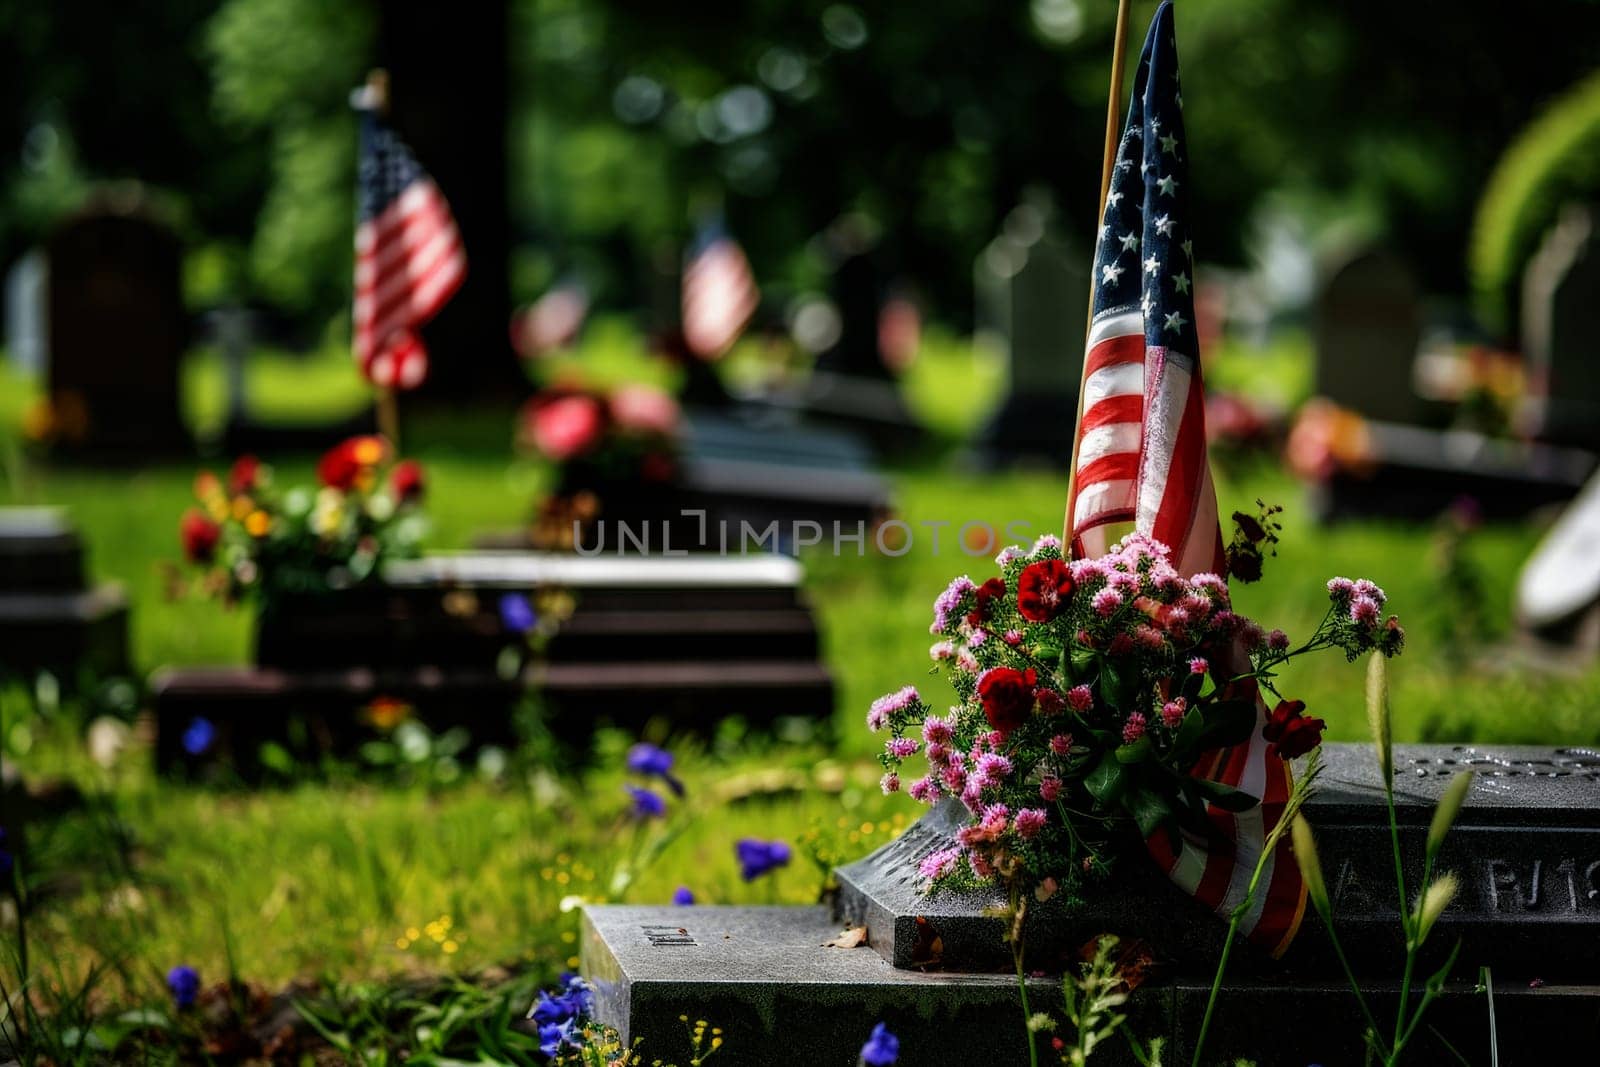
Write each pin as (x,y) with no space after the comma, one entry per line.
(1119,56)
(387,402)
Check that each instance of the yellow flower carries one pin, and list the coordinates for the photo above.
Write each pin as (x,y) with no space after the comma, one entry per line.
(369,451)
(258,523)
(242,506)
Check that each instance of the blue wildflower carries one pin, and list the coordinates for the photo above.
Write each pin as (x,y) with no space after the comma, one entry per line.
(646,804)
(553,1037)
(652,761)
(199,736)
(184,981)
(758,857)
(683,896)
(559,1014)
(882,1048)
(517,614)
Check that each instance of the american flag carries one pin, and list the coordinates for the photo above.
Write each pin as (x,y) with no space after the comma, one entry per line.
(1141,458)
(719,293)
(409,257)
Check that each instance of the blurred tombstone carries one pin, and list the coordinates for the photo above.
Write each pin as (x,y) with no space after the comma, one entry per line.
(1032,292)
(1367,324)
(117,329)
(27,338)
(1560,331)
(51,619)
(233,329)
(1558,591)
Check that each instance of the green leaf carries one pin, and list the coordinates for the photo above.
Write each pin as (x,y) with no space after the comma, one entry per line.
(1227,722)
(1186,743)
(1224,796)
(1108,779)
(1079,661)
(1150,810)
(1110,685)
(1137,752)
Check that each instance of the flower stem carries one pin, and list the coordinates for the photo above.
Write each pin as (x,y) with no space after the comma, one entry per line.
(1216,988)
(1017,951)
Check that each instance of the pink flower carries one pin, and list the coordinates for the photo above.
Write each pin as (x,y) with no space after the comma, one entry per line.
(980,865)
(1177,618)
(1363,587)
(1086,570)
(948,604)
(562,427)
(994,821)
(1364,611)
(1197,605)
(1106,601)
(889,783)
(901,747)
(1013,638)
(1007,555)
(941,650)
(1172,712)
(1080,698)
(1198,665)
(938,752)
(1029,822)
(1148,637)
(1341,588)
(1278,641)
(938,864)
(966,661)
(1049,542)
(644,409)
(992,769)
(972,795)
(1048,700)
(925,790)
(936,731)
(1212,586)
(1061,744)
(1121,645)
(977,638)
(955,779)
(888,704)
(1250,634)
(1133,728)
(1049,788)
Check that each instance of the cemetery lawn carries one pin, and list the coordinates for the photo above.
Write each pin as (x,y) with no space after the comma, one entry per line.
(336,878)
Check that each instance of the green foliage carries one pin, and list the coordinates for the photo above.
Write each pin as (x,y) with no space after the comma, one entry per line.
(1554,161)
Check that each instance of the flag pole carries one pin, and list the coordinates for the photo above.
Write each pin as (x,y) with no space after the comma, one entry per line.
(387,402)
(1119,55)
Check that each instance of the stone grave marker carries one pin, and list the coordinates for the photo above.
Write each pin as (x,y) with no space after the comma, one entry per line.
(51,619)
(117,332)
(1561,314)
(1367,323)
(1033,291)
(690,638)
(27,286)
(1526,848)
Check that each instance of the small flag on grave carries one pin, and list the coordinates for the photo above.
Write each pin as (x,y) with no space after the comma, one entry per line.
(409,256)
(1141,458)
(719,293)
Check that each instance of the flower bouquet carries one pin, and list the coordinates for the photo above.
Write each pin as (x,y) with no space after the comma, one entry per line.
(616,451)
(1088,693)
(253,539)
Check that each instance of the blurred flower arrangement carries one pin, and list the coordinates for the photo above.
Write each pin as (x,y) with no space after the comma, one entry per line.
(1327,439)
(601,441)
(1088,690)
(252,539)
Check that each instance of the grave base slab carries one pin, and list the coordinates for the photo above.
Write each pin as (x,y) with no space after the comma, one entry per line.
(762,975)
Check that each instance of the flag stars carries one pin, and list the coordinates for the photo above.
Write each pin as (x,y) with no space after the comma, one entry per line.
(1152,265)
(1165,225)
(1111,274)
(1169,145)
(1188,249)
(1180,281)
(1168,185)
(1112,198)
(1175,322)
(1130,241)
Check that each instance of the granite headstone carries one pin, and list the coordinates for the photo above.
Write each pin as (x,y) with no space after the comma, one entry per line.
(1367,323)
(1561,331)
(51,618)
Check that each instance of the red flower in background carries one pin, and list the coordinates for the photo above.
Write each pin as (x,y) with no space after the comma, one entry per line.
(1007,696)
(644,409)
(406,481)
(563,426)
(199,536)
(343,465)
(244,475)
(1291,732)
(1044,589)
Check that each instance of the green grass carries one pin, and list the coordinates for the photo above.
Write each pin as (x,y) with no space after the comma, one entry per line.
(322,880)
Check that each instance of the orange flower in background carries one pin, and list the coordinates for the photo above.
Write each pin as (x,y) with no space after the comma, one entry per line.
(1327,438)
(385,713)
(258,523)
(347,464)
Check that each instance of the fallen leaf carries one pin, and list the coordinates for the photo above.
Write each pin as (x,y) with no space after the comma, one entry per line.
(854,936)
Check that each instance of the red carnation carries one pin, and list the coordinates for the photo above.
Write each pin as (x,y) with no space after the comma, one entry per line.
(343,464)
(989,592)
(242,478)
(406,481)
(1290,732)
(1007,696)
(1044,589)
(199,536)
(563,425)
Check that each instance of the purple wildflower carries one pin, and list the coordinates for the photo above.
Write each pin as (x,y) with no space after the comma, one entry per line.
(882,1048)
(652,761)
(757,858)
(647,804)
(683,896)
(199,736)
(517,614)
(184,982)
(888,704)
(948,604)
